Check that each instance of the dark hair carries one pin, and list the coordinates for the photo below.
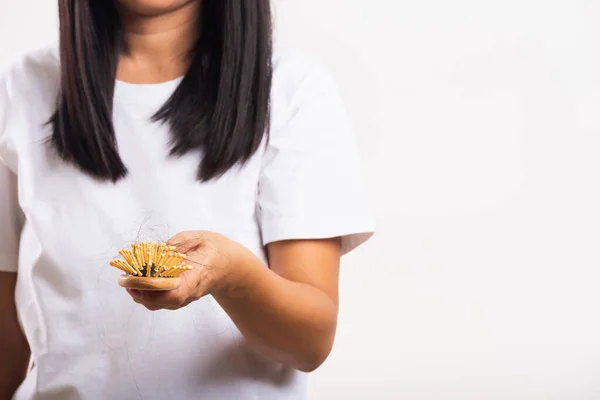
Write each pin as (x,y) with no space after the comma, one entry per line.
(221,107)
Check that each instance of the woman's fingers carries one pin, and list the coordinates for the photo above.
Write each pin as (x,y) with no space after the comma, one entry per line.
(204,252)
(191,289)
(186,241)
(136,294)
(155,300)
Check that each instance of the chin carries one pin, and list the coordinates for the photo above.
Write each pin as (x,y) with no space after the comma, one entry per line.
(153,7)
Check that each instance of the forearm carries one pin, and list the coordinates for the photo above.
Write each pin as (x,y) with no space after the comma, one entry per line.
(14,350)
(14,360)
(288,322)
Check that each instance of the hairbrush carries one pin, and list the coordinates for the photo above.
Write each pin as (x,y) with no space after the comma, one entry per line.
(150,266)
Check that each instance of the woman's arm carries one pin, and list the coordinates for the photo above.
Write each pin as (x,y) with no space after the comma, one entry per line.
(14,350)
(289,312)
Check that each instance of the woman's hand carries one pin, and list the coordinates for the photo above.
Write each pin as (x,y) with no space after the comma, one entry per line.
(287,312)
(216,269)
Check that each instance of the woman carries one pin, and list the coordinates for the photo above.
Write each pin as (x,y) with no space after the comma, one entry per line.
(171,119)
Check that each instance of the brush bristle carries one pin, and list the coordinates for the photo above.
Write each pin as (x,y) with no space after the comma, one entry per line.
(151,259)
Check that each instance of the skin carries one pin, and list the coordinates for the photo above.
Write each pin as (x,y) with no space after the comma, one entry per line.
(159,37)
(287,310)
(14,350)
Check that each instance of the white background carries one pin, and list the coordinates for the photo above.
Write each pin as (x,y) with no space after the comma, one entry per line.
(479,123)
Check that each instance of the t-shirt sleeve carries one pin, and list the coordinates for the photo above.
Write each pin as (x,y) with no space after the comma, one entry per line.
(11,216)
(311,184)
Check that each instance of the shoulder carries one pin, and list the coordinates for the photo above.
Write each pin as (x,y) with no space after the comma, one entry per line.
(291,64)
(28,90)
(294,69)
(298,78)
(32,77)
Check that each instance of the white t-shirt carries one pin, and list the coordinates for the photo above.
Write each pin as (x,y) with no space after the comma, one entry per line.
(59,229)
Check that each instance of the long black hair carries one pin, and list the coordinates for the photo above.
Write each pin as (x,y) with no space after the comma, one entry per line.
(221,106)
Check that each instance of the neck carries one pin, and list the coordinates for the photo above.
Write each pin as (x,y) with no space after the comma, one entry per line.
(158,48)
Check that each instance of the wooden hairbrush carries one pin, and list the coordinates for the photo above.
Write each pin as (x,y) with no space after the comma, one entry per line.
(150,266)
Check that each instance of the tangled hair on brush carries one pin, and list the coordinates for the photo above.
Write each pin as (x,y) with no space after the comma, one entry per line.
(221,107)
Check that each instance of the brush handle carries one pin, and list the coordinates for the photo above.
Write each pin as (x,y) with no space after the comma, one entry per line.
(146,283)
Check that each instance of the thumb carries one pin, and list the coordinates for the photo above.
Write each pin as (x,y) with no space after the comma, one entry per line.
(185,242)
